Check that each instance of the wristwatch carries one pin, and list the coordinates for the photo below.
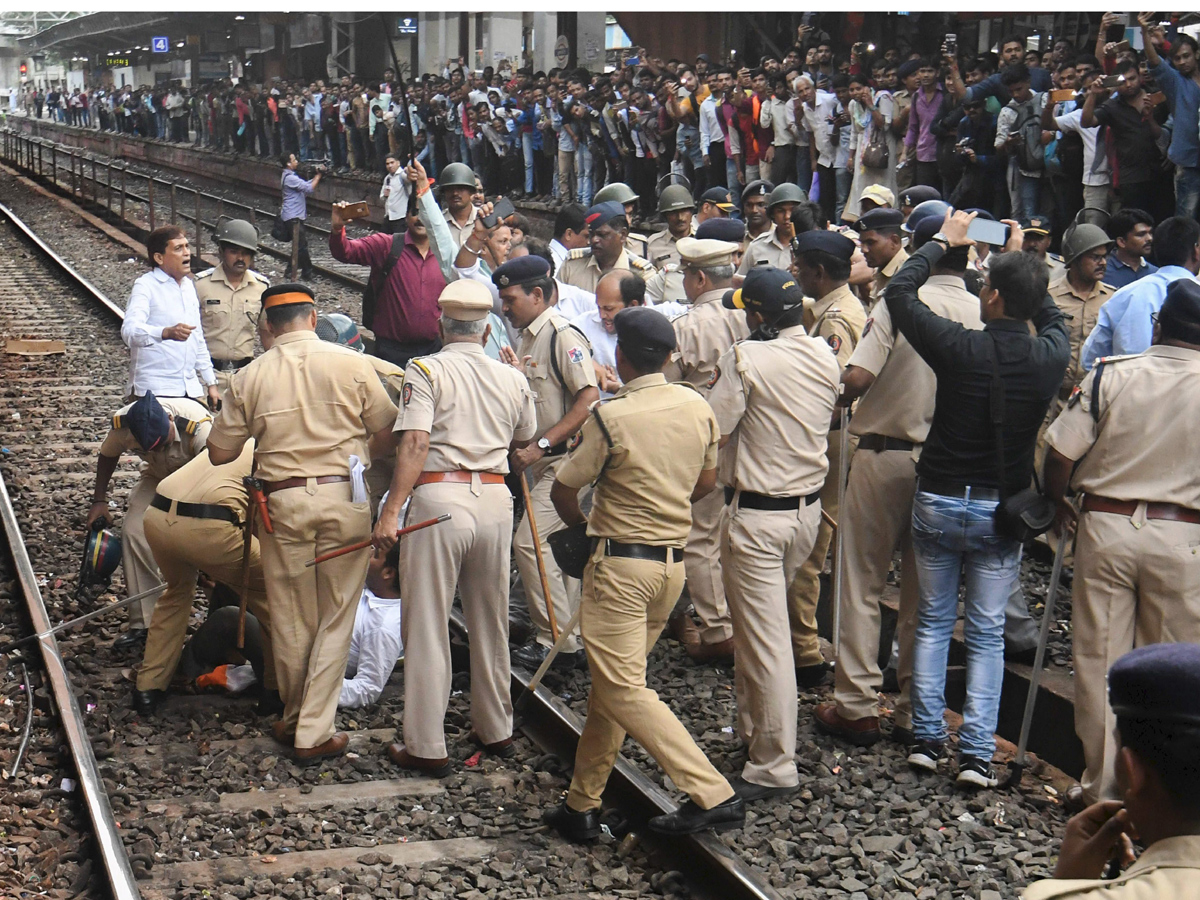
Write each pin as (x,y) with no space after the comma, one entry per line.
(941,239)
(543,445)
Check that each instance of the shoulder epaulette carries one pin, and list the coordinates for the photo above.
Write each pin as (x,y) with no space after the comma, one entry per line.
(580,253)
(423,368)
(189,426)
(638,263)
(118,422)
(205,273)
(1112,359)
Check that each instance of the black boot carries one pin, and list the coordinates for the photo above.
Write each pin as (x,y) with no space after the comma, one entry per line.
(148,702)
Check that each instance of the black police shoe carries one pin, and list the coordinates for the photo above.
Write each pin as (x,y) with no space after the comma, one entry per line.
(134,637)
(749,791)
(809,677)
(269,703)
(148,702)
(579,827)
(690,818)
(533,654)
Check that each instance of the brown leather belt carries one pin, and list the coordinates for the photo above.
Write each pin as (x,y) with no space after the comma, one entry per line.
(459,476)
(270,487)
(1171,511)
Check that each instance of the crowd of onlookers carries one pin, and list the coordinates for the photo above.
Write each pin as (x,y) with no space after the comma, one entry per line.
(1017,132)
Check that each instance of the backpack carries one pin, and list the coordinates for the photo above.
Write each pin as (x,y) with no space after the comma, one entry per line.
(1031,156)
(374,285)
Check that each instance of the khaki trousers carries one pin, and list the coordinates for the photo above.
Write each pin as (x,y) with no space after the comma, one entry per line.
(469,551)
(805,589)
(564,591)
(566,175)
(1137,582)
(184,546)
(137,559)
(312,609)
(702,562)
(761,551)
(876,519)
(625,606)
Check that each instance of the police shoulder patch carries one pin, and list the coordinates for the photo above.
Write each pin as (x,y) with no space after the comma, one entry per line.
(575,441)
(575,354)
(406,394)
(1076,396)
(867,327)
(835,343)
(714,377)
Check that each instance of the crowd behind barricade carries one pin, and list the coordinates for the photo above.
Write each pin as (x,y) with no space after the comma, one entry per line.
(931,383)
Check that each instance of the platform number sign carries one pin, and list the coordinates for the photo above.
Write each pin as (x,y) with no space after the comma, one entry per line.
(160,44)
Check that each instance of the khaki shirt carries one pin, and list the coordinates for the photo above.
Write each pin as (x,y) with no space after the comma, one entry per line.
(472,406)
(460,233)
(663,247)
(1168,869)
(702,335)
(229,315)
(1081,312)
(192,424)
(390,375)
(838,318)
(309,404)
(666,285)
(663,436)
(582,270)
(637,245)
(899,403)
(884,275)
(201,482)
(1149,414)
(777,398)
(573,354)
(765,250)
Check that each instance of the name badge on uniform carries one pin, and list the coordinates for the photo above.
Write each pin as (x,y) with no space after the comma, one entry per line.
(212,301)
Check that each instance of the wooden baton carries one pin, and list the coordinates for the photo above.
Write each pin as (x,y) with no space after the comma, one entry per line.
(537,552)
(362,545)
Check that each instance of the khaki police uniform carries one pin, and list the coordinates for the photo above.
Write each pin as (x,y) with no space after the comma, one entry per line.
(702,335)
(837,318)
(1137,576)
(192,423)
(581,269)
(460,233)
(765,250)
(194,525)
(884,275)
(379,476)
(229,317)
(555,385)
(662,436)
(667,284)
(309,405)
(637,244)
(472,408)
(1168,868)
(891,422)
(776,397)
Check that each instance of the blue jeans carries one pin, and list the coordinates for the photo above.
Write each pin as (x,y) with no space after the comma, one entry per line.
(583,175)
(527,152)
(951,535)
(1026,198)
(845,177)
(804,172)
(1187,191)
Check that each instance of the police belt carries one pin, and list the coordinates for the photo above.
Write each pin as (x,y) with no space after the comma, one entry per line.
(880,442)
(231,365)
(641,551)
(751,500)
(1170,511)
(196,510)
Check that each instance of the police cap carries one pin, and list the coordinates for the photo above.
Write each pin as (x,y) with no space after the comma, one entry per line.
(918,194)
(911,67)
(757,188)
(926,229)
(467,300)
(705,252)
(148,422)
(523,269)
(766,289)
(718,197)
(828,241)
(1036,225)
(286,294)
(643,328)
(880,219)
(603,213)
(1158,682)
(1179,317)
(722,229)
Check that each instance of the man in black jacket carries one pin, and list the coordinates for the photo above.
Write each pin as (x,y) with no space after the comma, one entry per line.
(961,478)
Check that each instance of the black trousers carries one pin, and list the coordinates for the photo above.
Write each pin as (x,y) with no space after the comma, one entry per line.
(783,165)
(399,353)
(827,179)
(716,164)
(303,258)
(395,226)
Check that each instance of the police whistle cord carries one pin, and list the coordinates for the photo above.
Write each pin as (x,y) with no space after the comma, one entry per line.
(362,545)
(79,620)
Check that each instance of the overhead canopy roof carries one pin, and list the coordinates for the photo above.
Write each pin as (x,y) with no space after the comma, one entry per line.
(120,32)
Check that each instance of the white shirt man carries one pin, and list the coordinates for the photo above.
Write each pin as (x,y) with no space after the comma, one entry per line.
(167,367)
(375,647)
(816,122)
(395,193)
(710,125)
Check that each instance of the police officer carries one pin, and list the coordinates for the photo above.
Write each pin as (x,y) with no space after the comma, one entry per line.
(649,450)
(557,360)
(773,248)
(310,405)
(677,207)
(911,198)
(1137,577)
(231,299)
(1154,693)
(619,192)
(822,260)
(715,203)
(754,208)
(891,423)
(774,394)
(194,524)
(460,411)
(608,230)
(882,244)
(165,434)
(1036,230)
(702,335)
(457,182)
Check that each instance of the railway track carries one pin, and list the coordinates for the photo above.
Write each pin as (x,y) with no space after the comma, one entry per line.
(199,801)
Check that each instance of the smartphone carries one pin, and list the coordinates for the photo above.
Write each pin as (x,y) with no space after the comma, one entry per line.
(988,232)
(1112,82)
(358,210)
(1121,47)
(950,45)
(502,210)
(631,61)
(1156,98)
(1060,94)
